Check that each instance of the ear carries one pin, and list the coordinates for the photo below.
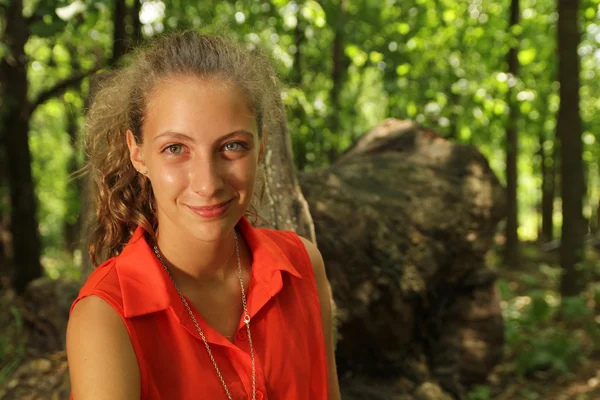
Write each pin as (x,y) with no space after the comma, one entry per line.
(136,154)
(263,145)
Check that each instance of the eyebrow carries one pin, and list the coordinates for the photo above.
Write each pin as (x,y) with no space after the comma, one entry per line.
(184,137)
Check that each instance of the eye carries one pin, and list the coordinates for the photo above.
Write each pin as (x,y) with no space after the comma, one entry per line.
(235,146)
(174,149)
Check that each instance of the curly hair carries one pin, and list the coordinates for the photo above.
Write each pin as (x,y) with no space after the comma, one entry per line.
(123,199)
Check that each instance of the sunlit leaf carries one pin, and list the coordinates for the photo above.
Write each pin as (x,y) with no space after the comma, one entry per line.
(403,69)
(527,56)
(403,28)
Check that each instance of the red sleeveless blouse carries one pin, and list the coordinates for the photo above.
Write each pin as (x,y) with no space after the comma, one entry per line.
(283,303)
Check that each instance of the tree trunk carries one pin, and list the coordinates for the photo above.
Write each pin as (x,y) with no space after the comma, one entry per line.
(119,31)
(337,73)
(297,113)
(569,131)
(72,224)
(511,249)
(548,192)
(597,227)
(548,165)
(284,206)
(23,221)
(136,37)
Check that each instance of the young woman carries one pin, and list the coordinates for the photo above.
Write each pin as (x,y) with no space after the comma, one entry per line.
(191,301)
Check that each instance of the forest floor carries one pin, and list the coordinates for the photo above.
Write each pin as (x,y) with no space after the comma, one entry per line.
(548,354)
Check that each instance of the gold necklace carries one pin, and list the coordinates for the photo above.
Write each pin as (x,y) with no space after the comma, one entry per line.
(246,318)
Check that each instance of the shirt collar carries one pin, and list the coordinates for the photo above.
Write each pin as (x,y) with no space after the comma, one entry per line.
(147,288)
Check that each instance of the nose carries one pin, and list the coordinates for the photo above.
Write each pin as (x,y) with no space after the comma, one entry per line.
(206,176)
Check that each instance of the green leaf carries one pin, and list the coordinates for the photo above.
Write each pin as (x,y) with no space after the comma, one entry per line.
(590,13)
(375,57)
(527,56)
(449,16)
(47,27)
(403,69)
(403,28)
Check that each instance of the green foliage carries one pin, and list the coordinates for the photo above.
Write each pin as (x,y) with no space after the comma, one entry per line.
(12,345)
(440,63)
(554,351)
(480,392)
(541,328)
(575,308)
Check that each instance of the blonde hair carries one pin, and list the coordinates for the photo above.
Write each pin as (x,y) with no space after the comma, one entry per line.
(123,198)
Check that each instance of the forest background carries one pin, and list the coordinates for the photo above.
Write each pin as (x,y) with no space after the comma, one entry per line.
(486,73)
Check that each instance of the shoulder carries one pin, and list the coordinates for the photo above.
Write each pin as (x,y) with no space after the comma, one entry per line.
(318,268)
(289,242)
(102,282)
(93,316)
(314,255)
(102,361)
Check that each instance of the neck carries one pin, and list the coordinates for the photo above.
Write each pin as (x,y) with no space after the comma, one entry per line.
(192,261)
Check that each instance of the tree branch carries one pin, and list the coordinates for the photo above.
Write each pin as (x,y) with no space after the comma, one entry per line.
(60,87)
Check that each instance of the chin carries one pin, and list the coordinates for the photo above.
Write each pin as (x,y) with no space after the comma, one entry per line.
(210,229)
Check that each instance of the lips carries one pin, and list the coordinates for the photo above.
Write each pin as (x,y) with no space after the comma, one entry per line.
(212,211)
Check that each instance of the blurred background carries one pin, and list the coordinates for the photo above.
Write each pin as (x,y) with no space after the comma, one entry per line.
(489,74)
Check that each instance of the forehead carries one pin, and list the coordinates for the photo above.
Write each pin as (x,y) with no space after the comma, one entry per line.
(199,106)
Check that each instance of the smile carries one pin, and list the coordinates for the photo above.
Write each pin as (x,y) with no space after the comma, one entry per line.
(213,211)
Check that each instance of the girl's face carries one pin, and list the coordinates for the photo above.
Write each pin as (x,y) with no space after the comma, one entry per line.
(201,151)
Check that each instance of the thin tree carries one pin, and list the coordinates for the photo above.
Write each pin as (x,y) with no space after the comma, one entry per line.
(569,131)
(548,167)
(17,110)
(511,249)
(16,114)
(337,73)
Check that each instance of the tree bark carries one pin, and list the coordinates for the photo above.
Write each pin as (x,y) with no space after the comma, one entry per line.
(72,224)
(548,165)
(597,226)
(298,113)
(119,31)
(283,206)
(569,130)
(23,221)
(511,249)
(548,192)
(337,74)
(136,37)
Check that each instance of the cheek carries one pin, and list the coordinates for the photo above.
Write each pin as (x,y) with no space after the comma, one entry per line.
(169,180)
(242,174)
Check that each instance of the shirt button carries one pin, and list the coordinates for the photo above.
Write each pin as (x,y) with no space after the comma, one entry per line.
(259,395)
(242,335)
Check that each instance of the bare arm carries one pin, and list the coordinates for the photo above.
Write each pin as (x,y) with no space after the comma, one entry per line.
(102,362)
(326,314)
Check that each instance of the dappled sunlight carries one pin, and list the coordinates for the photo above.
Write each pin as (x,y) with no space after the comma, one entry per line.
(391,111)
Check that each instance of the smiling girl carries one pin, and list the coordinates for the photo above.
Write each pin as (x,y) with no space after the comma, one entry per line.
(189,300)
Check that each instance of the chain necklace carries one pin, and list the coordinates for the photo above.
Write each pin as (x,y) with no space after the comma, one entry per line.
(246,318)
